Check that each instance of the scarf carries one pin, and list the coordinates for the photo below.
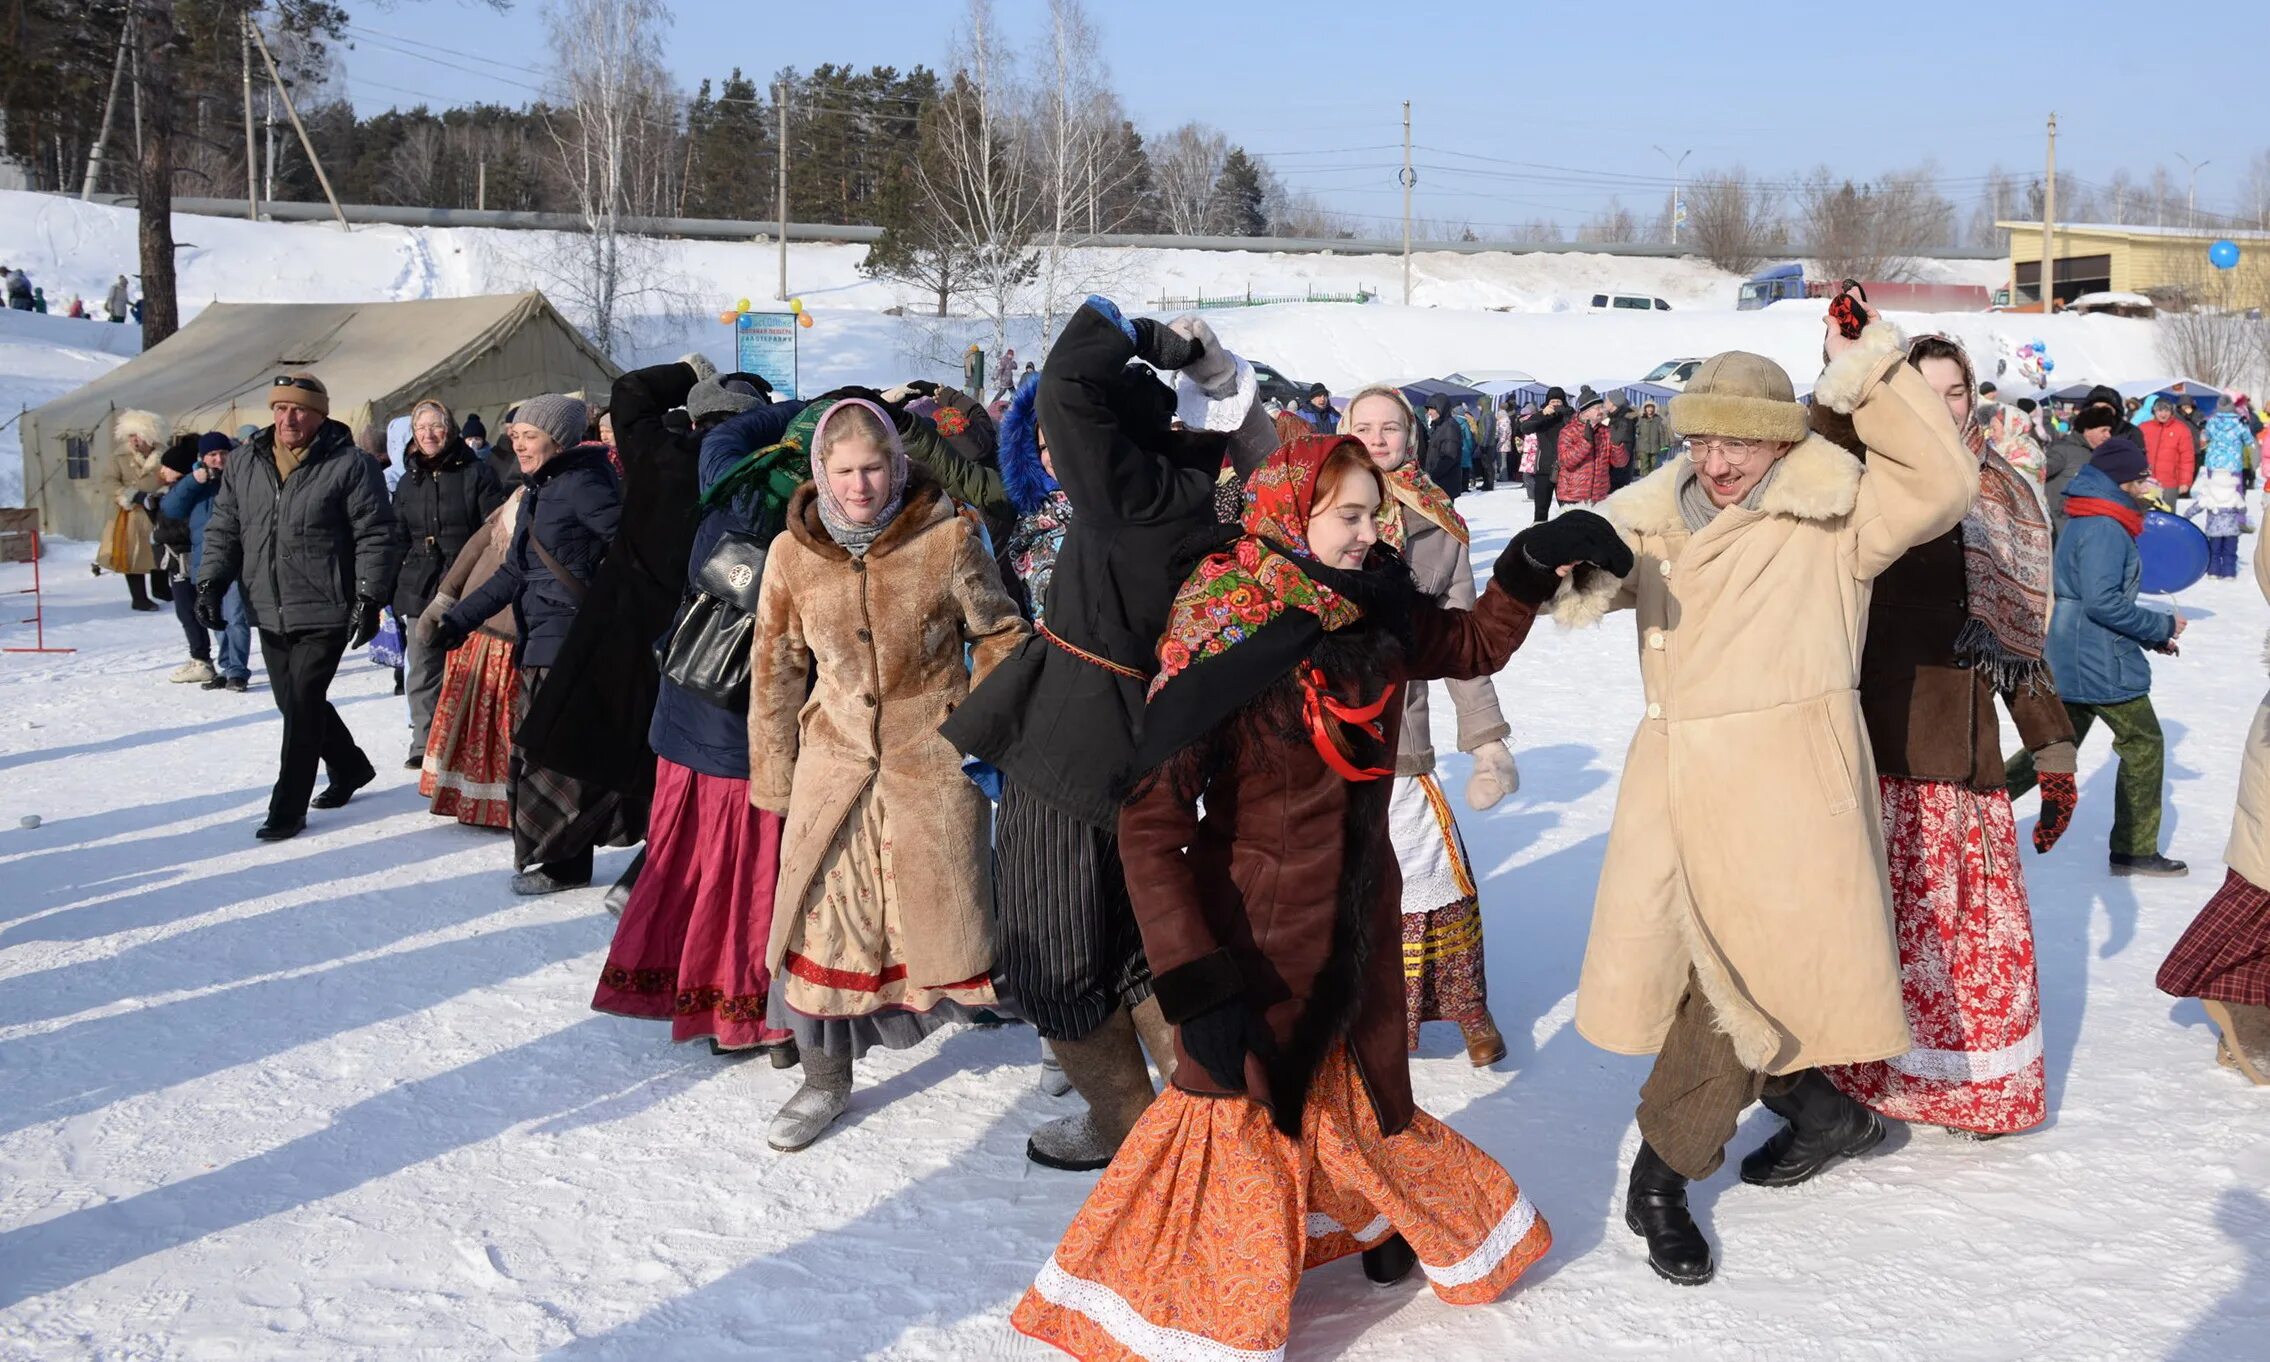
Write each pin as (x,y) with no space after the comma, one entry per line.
(2006,571)
(853,537)
(2131,519)
(1032,547)
(1695,506)
(1407,487)
(1263,574)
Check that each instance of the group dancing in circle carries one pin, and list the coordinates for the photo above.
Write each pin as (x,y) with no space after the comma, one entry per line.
(1106,708)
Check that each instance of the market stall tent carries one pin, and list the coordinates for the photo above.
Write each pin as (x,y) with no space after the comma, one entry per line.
(475,354)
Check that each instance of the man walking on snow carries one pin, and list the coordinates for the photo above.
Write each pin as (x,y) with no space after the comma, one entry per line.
(304,525)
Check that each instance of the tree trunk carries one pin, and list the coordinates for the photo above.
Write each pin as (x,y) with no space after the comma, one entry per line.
(161,308)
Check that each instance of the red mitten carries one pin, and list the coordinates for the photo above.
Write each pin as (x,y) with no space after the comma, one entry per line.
(2058,796)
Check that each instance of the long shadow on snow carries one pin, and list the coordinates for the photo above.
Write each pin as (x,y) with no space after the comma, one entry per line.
(68,875)
(127,742)
(90,1065)
(2236,1325)
(378,1136)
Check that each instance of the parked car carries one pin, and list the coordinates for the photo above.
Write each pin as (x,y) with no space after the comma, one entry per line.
(1673,373)
(1275,387)
(1627,302)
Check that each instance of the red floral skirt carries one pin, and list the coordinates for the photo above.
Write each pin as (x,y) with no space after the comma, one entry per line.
(691,945)
(1966,966)
(1194,1241)
(469,747)
(2224,955)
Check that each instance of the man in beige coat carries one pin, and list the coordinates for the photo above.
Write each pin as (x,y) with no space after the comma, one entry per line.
(1743,932)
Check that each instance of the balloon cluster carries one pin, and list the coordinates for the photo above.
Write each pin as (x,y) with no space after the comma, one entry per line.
(732,314)
(2034,362)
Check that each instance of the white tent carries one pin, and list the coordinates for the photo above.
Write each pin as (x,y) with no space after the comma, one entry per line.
(475,354)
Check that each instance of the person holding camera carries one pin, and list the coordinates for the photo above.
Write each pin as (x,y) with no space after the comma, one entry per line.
(189,501)
(1544,479)
(303,524)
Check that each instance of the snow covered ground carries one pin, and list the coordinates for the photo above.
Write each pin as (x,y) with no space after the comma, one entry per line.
(343,1097)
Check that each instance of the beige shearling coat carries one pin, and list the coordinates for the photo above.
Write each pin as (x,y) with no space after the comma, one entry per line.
(2249,849)
(854,664)
(1747,846)
(127,471)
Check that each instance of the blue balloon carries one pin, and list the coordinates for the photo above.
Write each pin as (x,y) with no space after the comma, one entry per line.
(2223,255)
(2049,366)
(2039,345)
(2174,551)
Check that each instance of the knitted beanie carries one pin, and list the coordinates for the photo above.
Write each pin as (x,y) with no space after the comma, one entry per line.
(1742,396)
(2122,460)
(562,417)
(181,455)
(300,390)
(473,429)
(716,396)
(214,442)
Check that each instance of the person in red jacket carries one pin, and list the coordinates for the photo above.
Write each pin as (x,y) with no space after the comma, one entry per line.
(1588,450)
(2171,448)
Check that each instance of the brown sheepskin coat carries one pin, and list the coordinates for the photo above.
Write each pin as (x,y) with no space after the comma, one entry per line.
(855,663)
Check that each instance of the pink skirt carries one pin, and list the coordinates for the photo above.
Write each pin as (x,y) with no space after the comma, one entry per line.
(1966,966)
(691,945)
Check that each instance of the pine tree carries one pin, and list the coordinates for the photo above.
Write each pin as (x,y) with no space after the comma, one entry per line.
(1238,198)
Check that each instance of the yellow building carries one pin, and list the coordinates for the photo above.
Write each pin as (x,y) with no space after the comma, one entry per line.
(2166,264)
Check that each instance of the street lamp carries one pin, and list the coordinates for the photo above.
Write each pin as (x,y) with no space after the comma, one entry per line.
(2191,199)
(1676,166)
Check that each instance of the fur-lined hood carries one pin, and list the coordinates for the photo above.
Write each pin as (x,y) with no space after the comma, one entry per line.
(1022,476)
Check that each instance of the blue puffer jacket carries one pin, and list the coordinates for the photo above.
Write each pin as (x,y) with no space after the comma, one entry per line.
(191,500)
(687,729)
(2097,632)
(572,507)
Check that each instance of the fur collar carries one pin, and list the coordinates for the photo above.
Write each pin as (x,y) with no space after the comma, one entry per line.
(925,506)
(1818,481)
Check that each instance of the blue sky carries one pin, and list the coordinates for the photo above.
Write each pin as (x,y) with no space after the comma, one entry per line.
(1577,95)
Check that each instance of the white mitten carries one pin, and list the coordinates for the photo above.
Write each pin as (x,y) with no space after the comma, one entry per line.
(1495,776)
(1215,369)
(428,624)
(700,364)
(894,396)
(126,500)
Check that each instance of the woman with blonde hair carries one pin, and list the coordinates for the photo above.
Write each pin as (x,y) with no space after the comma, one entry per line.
(880,609)
(1442,916)
(137,443)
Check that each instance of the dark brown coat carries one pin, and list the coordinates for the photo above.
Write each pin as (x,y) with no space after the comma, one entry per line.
(1286,893)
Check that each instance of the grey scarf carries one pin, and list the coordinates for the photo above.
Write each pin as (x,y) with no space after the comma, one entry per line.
(1695,507)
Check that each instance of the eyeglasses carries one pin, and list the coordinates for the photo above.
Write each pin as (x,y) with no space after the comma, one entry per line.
(1736,452)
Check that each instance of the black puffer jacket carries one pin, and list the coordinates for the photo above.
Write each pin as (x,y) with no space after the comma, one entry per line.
(437,507)
(1062,727)
(303,548)
(571,507)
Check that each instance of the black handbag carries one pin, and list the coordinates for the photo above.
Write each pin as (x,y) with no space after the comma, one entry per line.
(706,651)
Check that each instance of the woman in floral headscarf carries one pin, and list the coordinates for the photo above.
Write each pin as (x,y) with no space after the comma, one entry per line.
(880,608)
(1288,1138)
(1442,915)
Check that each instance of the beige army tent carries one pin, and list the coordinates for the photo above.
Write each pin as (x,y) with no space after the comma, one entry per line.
(476,354)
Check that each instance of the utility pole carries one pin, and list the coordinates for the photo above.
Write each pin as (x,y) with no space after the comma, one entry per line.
(481,186)
(306,144)
(2191,198)
(2049,226)
(109,107)
(268,139)
(1676,167)
(1409,178)
(780,158)
(251,154)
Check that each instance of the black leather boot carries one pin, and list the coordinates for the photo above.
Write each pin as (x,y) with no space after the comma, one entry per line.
(1389,1263)
(1824,1126)
(1655,1207)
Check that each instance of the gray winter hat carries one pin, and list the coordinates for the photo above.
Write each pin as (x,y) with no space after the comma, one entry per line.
(562,417)
(720,397)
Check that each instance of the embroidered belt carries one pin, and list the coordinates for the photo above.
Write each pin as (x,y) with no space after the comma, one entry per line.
(1085,656)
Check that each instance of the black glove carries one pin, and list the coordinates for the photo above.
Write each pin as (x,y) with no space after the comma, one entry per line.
(1163,347)
(922,387)
(1529,567)
(209,609)
(366,622)
(449,636)
(1220,1037)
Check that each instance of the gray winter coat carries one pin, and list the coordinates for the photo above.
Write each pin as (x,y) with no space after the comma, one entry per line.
(303,549)
(2067,454)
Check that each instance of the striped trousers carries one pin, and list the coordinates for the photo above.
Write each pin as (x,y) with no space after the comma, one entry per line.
(1066,951)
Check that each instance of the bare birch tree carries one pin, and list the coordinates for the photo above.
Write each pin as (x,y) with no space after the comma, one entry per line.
(977,176)
(1185,164)
(1075,128)
(1732,222)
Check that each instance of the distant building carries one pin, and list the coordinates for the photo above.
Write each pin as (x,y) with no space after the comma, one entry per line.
(2166,264)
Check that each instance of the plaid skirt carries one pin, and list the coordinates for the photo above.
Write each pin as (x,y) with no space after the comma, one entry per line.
(2224,955)
(556,817)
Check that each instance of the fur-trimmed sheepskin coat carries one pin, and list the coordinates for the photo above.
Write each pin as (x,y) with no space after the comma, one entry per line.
(1748,846)
(127,471)
(855,663)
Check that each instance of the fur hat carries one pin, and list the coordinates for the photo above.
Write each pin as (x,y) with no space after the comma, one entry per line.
(147,425)
(2121,459)
(558,415)
(716,396)
(1554,394)
(300,389)
(1022,476)
(2095,418)
(1742,395)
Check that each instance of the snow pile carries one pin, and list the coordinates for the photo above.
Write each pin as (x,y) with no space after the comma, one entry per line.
(343,1097)
(42,358)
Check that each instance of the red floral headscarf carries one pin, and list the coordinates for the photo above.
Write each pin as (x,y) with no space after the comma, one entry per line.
(1232,594)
